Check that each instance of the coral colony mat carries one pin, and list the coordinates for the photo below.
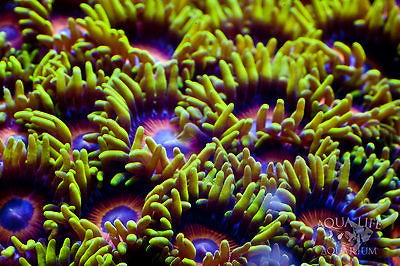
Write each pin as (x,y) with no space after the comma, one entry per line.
(187,132)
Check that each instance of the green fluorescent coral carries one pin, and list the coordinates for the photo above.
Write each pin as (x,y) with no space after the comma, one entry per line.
(184,132)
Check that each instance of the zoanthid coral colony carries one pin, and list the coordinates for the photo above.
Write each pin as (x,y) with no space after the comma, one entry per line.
(166,132)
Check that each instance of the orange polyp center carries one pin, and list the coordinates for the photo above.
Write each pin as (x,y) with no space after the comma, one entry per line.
(152,126)
(313,218)
(9,131)
(155,53)
(20,214)
(9,23)
(205,240)
(275,155)
(165,133)
(355,110)
(78,131)
(60,25)
(278,153)
(354,186)
(119,206)
(128,208)
(251,113)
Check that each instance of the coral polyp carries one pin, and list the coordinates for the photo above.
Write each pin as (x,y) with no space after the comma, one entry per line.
(164,132)
(168,135)
(123,209)
(204,240)
(20,216)
(9,28)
